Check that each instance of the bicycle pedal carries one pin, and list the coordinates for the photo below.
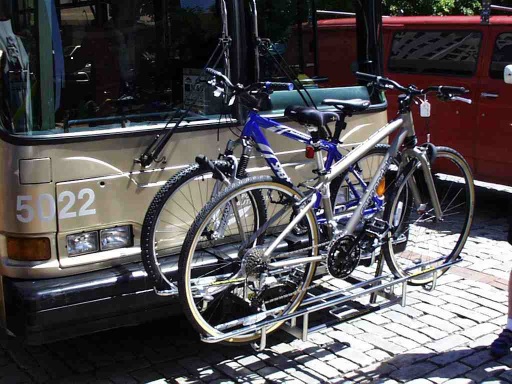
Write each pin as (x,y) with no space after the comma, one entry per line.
(377,228)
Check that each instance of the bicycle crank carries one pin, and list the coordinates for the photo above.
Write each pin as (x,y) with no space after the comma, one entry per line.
(343,257)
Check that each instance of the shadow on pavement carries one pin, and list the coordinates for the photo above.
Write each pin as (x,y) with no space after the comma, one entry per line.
(476,365)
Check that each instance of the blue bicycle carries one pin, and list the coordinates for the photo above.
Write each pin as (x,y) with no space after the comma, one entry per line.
(178,202)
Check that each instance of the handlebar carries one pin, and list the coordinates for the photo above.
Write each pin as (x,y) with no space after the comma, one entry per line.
(277,86)
(220,76)
(444,91)
(269,85)
(253,96)
(453,90)
(463,99)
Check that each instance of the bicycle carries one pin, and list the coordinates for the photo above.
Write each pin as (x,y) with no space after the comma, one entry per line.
(244,278)
(178,202)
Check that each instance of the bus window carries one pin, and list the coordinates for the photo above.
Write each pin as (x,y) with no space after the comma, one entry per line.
(306,34)
(19,64)
(120,63)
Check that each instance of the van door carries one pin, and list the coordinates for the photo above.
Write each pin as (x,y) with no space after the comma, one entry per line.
(494,135)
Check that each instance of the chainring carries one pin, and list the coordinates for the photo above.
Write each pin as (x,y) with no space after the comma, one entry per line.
(343,257)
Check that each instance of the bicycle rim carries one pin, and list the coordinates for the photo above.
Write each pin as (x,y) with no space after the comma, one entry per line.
(224,285)
(417,237)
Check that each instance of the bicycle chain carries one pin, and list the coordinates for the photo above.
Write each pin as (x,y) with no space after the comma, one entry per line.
(309,286)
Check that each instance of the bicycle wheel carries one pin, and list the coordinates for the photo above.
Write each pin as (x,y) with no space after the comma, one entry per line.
(171,213)
(347,189)
(416,235)
(225,283)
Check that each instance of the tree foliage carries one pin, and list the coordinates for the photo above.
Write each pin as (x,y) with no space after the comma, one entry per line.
(432,7)
(417,7)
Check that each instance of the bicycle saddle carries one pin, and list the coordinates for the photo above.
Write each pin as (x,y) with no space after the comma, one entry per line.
(348,106)
(307,115)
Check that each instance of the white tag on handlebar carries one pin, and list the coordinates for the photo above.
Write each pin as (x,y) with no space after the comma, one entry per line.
(425,109)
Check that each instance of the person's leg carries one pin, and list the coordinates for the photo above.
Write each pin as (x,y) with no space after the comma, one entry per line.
(501,346)
(509,322)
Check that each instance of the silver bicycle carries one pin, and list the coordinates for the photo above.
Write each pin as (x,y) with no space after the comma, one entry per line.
(242,264)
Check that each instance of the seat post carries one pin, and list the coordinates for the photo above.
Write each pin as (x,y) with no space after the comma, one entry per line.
(340,126)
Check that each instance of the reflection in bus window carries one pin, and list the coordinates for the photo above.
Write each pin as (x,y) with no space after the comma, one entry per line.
(15,73)
(116,63)
(282,22)
(308,42)
(131,62)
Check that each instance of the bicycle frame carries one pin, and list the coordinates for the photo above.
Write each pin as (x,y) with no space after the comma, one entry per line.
(253,130)
(405,123)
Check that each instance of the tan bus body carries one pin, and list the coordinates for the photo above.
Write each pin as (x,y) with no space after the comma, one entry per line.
(68,150)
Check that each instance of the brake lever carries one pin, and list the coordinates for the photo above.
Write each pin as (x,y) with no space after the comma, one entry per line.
(218,92)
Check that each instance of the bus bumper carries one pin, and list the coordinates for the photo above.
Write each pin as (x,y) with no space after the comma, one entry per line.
(43,311)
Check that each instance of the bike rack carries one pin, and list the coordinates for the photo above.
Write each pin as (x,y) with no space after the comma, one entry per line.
(382,285)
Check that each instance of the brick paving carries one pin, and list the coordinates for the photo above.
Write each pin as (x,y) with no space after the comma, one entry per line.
(440,337)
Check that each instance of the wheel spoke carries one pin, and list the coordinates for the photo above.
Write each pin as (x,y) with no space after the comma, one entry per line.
(420,237)
(224,296)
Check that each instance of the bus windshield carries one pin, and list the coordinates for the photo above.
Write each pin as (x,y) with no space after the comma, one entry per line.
(82,65)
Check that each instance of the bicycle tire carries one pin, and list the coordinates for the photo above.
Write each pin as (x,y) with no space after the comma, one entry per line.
(408,244)
(207,300)
(159,203)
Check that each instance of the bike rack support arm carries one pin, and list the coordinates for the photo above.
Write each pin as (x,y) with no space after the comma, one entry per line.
(336,298)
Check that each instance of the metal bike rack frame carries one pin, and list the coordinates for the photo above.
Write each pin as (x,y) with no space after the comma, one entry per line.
(331,299)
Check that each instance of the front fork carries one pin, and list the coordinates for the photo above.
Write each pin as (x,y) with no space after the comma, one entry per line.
(239,171)
(420,154)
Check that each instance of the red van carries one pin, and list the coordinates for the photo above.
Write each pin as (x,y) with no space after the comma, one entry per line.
(454,50)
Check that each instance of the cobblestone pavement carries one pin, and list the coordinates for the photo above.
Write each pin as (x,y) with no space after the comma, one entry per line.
(441,336)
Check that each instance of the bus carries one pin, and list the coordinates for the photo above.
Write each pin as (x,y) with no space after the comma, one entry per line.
(86,87)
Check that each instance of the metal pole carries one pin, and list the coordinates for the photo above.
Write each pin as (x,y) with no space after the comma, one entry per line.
(485,14)
(369,36)
(256,33)
(337,13)
(314,21)
(300,35)
(305,327)
(501,8)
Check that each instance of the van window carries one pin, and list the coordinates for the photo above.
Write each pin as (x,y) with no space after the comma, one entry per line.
(502,55)
(115,64)
(435,52)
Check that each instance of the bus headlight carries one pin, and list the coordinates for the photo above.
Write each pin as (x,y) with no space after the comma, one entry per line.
(82,243)
(118,237)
